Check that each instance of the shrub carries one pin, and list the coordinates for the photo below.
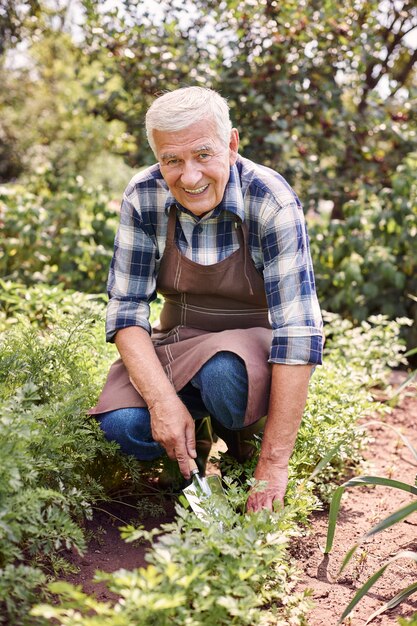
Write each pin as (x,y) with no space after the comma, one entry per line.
(53,456)
(199,576)
(56,464)
(41,304)
(20,587)
(366,264)
(63,236)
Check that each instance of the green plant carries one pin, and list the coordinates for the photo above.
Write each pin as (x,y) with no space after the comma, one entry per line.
(42,304)
(356,359)
(54,458)
(20,587)
(62,236)
(237,570)
(198,575)
(56,465)
(366,264)
(393,518)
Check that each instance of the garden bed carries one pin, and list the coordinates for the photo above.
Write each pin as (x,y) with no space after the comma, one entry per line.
(80,491)
(361,508)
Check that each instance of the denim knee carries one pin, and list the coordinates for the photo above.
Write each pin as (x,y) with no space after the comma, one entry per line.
(131,429)
(223,384)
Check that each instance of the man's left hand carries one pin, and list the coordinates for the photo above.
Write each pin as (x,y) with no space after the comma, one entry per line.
(275,478)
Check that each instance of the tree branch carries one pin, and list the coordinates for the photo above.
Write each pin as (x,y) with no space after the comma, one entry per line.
(405,72)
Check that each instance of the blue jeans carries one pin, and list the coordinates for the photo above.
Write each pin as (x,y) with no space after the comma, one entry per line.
(220,388)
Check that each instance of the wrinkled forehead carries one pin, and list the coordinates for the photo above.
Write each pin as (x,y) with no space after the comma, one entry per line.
(204,148)
(200,137)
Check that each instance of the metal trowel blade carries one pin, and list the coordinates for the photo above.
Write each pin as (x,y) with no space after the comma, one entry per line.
(200,489)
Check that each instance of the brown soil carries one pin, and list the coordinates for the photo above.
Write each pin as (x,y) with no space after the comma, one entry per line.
(361,508)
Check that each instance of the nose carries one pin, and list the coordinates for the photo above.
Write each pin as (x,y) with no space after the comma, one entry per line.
(191,174)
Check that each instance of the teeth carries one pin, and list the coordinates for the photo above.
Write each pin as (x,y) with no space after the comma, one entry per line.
(196,191)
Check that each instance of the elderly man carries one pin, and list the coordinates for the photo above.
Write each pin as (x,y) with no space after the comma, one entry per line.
(224,241)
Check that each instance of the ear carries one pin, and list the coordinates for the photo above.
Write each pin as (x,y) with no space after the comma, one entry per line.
(233,146)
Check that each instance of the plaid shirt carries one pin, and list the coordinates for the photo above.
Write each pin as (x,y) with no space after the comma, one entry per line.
(278,244)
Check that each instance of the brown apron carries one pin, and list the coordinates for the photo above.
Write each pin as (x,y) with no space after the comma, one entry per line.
(207,309)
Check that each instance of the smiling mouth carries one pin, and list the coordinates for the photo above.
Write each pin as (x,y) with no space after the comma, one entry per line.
(196,192)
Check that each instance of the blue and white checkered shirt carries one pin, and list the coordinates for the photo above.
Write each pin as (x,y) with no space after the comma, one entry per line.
(278,244)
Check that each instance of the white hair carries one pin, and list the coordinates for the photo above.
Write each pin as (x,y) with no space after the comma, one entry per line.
(176,110)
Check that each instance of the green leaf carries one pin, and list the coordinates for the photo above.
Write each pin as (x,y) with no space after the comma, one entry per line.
(348,556)
(326,459)
(362,592)
(392,519)
(372,580)
(405,384)
(333,513)
(354,482)
(395,601)
(379,480)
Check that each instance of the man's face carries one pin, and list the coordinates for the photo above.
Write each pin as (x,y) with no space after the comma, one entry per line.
(195,164)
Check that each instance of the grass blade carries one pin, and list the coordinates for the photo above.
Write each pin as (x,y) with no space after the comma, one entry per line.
(348,557)
(372,580)
(392,519)
(326,459)
(333,513)
(379,480)
(404,439)
(362,592)
(356,482)
(395,601)
(408,380)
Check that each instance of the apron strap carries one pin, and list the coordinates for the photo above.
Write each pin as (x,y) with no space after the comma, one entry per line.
(172,221)
(242,234)
(244,243)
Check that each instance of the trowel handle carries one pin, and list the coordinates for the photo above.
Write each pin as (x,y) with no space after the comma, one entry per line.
(193,466)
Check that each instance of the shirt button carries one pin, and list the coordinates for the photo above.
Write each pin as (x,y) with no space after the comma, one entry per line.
(199,229)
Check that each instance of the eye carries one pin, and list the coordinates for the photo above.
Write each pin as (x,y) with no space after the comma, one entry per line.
(204,156)
(172,162)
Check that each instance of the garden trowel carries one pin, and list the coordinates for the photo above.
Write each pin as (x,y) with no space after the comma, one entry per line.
(204,490)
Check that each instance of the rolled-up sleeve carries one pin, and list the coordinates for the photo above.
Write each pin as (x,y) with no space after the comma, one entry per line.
(131,282)
(294,310)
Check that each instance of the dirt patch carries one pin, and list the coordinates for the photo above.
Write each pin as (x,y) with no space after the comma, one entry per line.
(361,508)
(107,552)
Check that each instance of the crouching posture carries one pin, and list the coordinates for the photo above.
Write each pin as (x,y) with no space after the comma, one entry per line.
(223,240)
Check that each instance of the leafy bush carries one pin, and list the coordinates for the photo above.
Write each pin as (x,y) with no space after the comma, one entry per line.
(62,236)
(366,264)
(20,588)
(56,463)
(373,347)
(53,456)
(41,304)
(356,359)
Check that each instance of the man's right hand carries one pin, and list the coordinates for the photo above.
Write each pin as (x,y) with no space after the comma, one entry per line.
(172,424)
(173,427)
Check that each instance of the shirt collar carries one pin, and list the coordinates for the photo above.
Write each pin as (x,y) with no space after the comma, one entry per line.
(232,199)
